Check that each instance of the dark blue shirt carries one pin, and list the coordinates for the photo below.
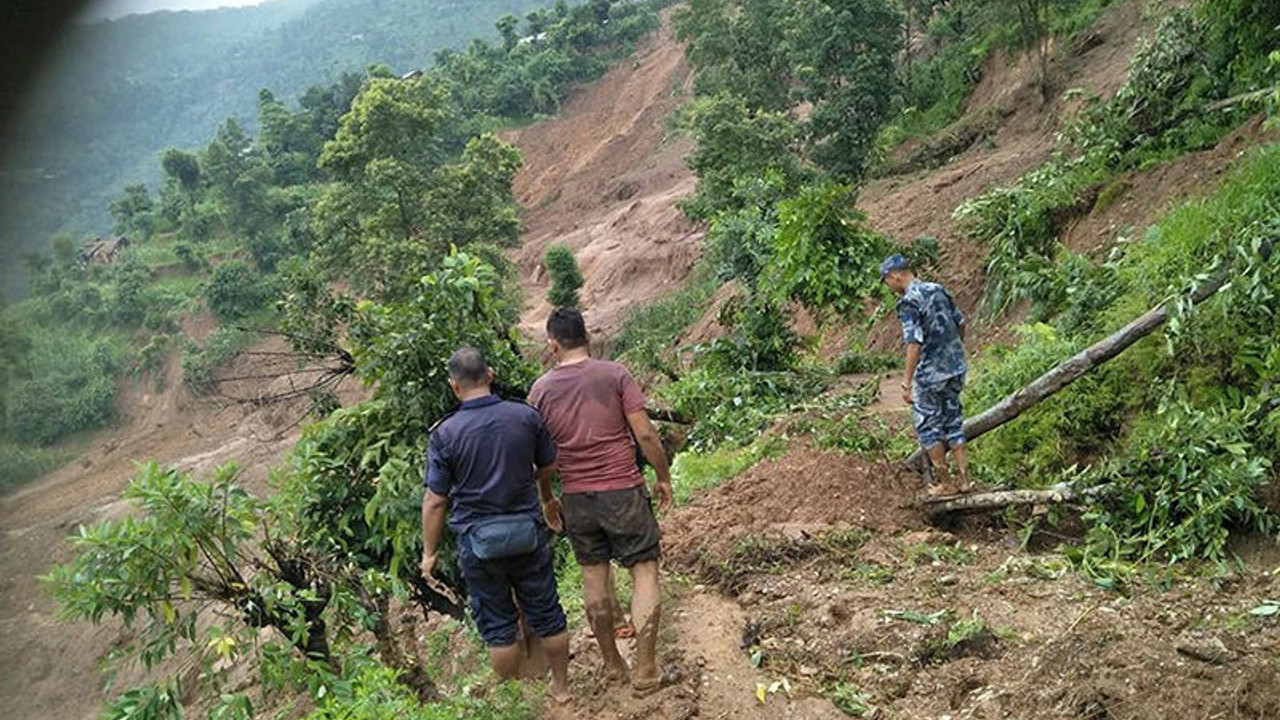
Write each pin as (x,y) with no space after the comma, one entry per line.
(483,457)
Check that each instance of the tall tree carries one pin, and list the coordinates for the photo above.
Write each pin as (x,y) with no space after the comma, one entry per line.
(846,51)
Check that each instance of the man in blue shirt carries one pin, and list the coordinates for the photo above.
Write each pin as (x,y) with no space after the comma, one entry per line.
(933,330)
(480,466)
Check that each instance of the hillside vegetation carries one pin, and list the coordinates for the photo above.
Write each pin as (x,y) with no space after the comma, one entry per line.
(119,92)
(369,228)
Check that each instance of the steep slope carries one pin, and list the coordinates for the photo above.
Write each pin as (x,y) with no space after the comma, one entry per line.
(603,179)
(49,669)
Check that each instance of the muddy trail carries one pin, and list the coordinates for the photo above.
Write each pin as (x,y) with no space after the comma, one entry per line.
(810,586)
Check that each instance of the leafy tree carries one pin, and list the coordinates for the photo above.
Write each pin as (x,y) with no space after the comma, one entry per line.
(508,25)
(825,255)
(400,121)
(566,278)
(235,291)
(183,167)
(227,156)
(846,51)
(369,224)
(402,347)
(471,201)
(734,146)
(132,211)
(741,47)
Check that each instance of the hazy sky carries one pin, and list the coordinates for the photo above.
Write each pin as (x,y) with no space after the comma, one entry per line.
(99,9)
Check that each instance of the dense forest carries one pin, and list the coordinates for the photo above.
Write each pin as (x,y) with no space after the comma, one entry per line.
(366,224)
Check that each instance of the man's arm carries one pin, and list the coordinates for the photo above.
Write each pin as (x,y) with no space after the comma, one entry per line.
(913,360)
(434,508)
(651,445)
(550,503)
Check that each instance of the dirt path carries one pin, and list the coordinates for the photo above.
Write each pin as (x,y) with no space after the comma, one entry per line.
(711,676)
(710,628)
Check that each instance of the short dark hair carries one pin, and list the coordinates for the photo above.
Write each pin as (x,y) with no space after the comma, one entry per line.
(468,367)
(567,327)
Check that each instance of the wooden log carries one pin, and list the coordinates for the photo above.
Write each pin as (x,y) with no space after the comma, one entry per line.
(1000,499)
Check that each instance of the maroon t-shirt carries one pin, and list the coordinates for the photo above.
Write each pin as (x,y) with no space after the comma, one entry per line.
(585,406)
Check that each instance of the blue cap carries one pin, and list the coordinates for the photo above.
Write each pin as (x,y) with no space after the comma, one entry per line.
(894,262)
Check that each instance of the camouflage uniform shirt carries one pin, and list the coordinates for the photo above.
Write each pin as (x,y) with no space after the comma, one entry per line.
(930,318)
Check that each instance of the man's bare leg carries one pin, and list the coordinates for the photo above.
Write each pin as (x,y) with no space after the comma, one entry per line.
(941,478)
(621,626)
(595,593)
(646,614)
(506,660)
(556,650)
(962,465)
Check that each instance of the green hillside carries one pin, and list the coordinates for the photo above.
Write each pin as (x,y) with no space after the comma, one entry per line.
(121,91)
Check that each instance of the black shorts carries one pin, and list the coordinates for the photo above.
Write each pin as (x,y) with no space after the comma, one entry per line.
(611,525)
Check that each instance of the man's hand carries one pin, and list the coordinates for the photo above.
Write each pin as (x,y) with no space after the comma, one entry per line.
(906,393)
(428,565)
(553,513)
(662,488)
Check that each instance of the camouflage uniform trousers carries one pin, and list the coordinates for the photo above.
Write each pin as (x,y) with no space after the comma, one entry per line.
(937,412)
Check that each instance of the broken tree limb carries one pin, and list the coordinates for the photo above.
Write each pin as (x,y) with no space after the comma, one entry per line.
(1000,499)
(1082,362)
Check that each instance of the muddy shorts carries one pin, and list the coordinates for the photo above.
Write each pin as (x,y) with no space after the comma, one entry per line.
(495,586)
(938,414)
(611,525)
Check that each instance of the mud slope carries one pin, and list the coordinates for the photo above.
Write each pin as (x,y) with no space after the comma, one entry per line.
(48,668)
(836,582)
(603,178)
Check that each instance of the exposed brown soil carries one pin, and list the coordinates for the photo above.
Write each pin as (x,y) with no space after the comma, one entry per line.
(1129,203)
(886,618)
(603,179)
(804,491)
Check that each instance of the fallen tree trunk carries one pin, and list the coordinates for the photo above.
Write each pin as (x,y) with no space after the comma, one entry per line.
(1000,499)
(1074,367)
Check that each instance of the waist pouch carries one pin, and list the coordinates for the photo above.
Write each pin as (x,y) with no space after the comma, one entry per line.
(503,536)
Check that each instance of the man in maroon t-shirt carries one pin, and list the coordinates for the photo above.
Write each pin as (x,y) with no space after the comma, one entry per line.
(593,408)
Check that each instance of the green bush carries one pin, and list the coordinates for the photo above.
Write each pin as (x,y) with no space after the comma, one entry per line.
(70,387)
(1188,477)
(566,278)
(732,409)
(20,462)
(374,693)
(759,337)
(236,291)
(825,255)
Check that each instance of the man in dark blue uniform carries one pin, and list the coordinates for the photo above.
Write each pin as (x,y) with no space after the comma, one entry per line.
(933,330)
(480,466)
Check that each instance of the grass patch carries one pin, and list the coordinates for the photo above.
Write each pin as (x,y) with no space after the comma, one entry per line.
(22,463)
(693,473)
(648,335)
